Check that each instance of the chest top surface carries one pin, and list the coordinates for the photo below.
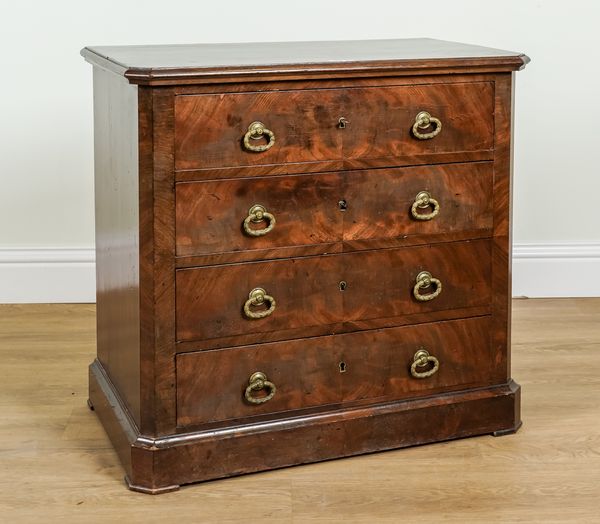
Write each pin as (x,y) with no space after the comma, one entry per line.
(159,64)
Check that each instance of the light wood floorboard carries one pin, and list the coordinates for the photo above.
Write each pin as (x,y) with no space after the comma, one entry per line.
(56,464)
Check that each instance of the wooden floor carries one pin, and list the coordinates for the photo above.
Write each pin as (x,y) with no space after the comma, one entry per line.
(56,464)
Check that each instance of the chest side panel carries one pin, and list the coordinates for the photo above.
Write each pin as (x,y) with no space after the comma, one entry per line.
(117,234)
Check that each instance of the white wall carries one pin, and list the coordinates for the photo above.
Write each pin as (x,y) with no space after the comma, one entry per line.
(46,196)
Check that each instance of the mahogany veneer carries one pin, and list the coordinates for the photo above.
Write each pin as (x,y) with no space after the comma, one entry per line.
(378,284)
(355,353)
(308,121)
(207,212)
(335,370)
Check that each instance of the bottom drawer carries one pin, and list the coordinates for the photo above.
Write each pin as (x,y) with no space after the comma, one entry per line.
(326,371)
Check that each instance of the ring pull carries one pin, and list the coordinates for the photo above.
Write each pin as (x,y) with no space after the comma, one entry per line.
(258,297)
(422,121)
(424,280)
(421,359)
(257,214)
(422,201)
(256,131)
(257,382)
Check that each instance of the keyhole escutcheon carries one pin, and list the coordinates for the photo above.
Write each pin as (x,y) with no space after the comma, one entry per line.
(342,122)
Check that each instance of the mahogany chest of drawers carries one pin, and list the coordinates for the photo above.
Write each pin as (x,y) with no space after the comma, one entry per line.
(303,252)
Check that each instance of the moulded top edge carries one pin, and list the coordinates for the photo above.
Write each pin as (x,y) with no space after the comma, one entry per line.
(155,64)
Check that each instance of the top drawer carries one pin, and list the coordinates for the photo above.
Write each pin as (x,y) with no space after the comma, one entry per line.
(324,125)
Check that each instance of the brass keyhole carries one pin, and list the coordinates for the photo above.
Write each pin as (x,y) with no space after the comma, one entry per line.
(342,367)
(342,122)
(343,205)
(343,285)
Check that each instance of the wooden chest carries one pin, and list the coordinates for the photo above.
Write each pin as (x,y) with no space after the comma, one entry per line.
(303,252)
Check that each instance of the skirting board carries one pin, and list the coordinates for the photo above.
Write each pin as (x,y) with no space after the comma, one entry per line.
(43,275)
(556,270)
(39,275)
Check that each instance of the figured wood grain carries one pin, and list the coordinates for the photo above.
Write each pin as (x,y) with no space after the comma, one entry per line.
(148,320)
(328,329)
(307,209)
(379,202)
(209,128)
(502,238)
(379,284)
(163,382)
(332,370)
(210,214)
(345,163)
(381,119)
(191,175)
(327,248)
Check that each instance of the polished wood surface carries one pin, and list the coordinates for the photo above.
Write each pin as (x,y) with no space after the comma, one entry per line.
(210,214)
(159,379)
(328,329)
(117,233)
(502,236)
(57,463)
(209,128)
(379,202)
(292,441)
(360,209)
(344,162)
(193,303)
(167,64)
(314,291)
(425,156)
(334,370)
(382,118)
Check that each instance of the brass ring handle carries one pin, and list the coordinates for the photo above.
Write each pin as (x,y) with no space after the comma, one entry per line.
(257,214)
(256,131)
(424,280)
(421,359)
(424,200)
(257,297)
(257,382)
(422,121)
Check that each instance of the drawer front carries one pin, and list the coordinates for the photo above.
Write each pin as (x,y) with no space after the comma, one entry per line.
(386,117)
(214,302)
(330,370)
(302,126)
(213,216)
(427,200)
(210,129)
